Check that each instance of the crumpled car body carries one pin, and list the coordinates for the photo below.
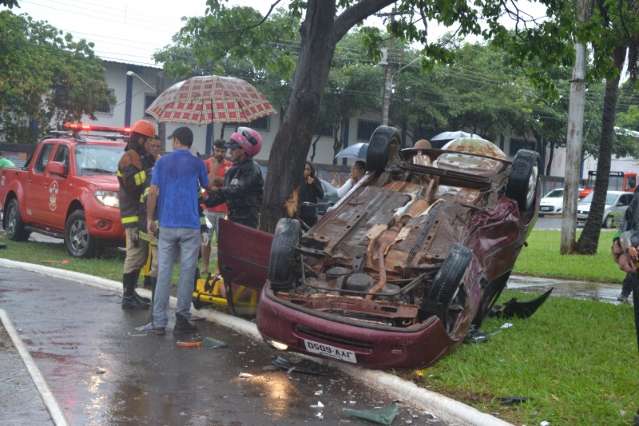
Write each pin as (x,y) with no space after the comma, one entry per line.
(395,274)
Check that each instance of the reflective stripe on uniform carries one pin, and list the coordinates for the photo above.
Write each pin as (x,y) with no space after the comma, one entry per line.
(140,178)
(129,219)
(118,173)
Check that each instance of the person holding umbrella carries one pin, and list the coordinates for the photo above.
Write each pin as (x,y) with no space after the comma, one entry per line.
(243,183)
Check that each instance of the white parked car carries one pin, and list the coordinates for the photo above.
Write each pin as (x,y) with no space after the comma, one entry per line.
(616,204)
(552,202)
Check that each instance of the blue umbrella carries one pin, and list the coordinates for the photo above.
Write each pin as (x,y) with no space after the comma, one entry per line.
(356,151)
(445,136)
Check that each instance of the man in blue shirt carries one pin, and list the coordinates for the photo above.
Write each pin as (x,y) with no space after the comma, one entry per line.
(174,196)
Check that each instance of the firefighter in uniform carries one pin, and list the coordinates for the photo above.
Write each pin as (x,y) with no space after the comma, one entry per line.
(134,176)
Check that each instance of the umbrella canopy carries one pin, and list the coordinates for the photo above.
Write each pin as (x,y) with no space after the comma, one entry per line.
(356,151)
(210,99)
(445,136)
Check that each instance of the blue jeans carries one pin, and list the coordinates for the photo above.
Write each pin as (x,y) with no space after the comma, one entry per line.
(187,242)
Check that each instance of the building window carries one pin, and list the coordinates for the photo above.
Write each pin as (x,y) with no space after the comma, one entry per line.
(262,123)
(325,130)
(365,129)
(148,100)
(106,107)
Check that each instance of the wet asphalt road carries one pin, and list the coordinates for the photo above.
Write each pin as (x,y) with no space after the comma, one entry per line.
(102,371)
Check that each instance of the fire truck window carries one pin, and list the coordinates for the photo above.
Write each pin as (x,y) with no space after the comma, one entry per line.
(43,159)
(62,155)
(632,181)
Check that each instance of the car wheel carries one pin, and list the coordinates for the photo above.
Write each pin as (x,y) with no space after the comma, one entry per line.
(282,268)
(448,279)
(77,239)
(13,224)
(608,222)
(383,143)
(524,177)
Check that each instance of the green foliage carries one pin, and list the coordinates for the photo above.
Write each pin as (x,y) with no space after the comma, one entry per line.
(45,77)
(234,41)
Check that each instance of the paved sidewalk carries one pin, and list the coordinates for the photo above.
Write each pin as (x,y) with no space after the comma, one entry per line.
(20,401)
(567,288)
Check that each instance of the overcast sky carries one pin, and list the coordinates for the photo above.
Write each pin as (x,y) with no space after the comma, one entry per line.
(132,30)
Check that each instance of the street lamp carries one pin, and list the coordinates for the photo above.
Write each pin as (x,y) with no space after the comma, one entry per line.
(134,74)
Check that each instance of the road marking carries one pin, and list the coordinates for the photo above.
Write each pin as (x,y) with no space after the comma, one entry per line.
(45,393)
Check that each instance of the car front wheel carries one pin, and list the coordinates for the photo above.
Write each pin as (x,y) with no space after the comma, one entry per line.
(282,268)
(77,239)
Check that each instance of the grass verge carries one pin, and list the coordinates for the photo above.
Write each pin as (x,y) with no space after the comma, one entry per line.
(542,259)
(575,361)
(108,265)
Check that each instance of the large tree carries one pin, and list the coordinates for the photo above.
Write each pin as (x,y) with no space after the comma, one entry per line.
(45,78)
(618,41)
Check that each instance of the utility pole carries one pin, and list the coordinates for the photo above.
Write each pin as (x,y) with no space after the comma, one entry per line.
(388,86)
(574,138)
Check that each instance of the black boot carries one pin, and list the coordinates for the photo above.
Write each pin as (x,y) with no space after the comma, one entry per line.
(185,329)
(139,298)
(130,299)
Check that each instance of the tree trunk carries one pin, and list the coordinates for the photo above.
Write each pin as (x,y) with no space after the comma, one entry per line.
(291,144)
(589,239)
(551,155)
(320,32)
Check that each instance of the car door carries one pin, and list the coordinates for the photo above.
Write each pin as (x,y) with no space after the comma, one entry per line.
(59,190)
(618,210)
(37,187)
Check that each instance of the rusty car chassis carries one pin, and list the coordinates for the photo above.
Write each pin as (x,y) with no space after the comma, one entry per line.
(427,235)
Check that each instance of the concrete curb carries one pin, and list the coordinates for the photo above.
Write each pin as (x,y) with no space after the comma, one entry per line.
(38,380)
(445,408)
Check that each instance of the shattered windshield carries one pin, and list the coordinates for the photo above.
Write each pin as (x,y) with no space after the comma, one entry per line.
(97,159)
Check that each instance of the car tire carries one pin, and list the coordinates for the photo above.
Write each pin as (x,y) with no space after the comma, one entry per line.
(282,268)
(448,279)
(524,178)
(12,223)
(607,223)
(78,241)
(381,145)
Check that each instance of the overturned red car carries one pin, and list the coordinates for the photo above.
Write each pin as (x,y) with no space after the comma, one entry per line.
(395,274)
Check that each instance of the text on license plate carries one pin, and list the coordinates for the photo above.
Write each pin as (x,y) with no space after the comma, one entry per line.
(330,351)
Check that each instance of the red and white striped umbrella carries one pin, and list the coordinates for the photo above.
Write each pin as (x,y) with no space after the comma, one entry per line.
(210,99)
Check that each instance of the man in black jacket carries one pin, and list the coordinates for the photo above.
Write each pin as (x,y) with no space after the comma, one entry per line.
(243,183)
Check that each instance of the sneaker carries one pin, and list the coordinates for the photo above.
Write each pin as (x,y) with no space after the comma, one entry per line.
(184,327)
(151,329)
(132,303)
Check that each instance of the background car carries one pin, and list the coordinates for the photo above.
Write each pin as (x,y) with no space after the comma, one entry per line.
(552,202)
(616,204)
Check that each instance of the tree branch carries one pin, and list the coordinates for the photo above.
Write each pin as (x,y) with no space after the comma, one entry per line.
(356,13)
(249,27)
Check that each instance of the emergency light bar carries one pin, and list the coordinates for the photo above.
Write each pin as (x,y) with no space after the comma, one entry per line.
(80,127)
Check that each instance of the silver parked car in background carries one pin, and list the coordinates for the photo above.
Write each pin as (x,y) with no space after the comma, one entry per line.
(616,204)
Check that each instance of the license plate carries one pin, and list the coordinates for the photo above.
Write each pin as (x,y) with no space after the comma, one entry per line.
(330,351)
(545,208)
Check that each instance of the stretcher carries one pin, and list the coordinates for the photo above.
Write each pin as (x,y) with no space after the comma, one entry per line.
(212,290)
